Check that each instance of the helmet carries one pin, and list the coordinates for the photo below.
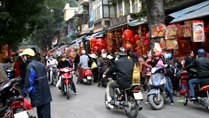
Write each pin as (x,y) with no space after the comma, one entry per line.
(122,51)
(201,51)
(83,52)
(157,54)
(145,57)
(29,52)
(168,56)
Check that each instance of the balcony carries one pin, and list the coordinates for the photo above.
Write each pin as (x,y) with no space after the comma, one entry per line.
(83,19)
(83,2)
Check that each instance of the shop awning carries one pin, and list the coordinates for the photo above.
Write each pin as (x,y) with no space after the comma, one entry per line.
(96,34)
(80,39)
(196,14)
(189,9)
(137,22)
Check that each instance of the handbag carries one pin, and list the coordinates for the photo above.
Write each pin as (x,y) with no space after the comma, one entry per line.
(94,65)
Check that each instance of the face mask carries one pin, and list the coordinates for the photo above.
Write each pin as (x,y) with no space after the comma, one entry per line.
(104,55)
(63,59)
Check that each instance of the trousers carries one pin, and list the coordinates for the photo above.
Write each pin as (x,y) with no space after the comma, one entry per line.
(44,111)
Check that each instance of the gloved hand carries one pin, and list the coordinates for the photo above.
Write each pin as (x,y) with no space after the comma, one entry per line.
(103,76)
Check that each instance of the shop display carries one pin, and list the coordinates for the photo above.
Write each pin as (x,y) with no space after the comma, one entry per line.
(162,43)
(128,34)
(180,31)
(171,31)
(198,32)
(188,29)
(158,31)
(171,44)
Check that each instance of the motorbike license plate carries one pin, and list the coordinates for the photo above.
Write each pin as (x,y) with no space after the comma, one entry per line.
(21,115)
(138,96)
(88,77)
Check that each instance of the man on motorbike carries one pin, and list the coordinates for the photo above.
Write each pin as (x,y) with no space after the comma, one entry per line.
(64,63)
(124,72)
(84,59)
(202,66)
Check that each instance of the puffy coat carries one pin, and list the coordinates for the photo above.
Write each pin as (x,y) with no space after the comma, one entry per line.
(36,84)
(124,72)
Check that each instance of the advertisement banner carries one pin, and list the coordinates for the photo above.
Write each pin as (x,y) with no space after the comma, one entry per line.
(198,32)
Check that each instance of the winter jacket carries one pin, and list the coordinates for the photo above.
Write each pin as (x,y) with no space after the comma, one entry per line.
(36,84)
(124,72)
(105,63)
(63,64)
(202,66)
(188,60)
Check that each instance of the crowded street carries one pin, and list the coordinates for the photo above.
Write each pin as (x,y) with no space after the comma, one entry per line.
(89,103)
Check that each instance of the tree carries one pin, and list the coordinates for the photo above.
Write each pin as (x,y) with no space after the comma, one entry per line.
(155,15)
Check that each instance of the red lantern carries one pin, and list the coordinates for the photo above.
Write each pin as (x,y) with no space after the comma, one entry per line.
(132,40)
(136,37)
(128,33)
(93,41)
(146,42)
(148,36)
(128,45)
(124,39)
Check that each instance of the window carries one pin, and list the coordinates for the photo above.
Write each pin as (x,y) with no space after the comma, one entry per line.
(106,11)
(105,2)
(107,23)
(120,8)
(99,24)
(127,8)
(135,6)
(112,11)
(97,7)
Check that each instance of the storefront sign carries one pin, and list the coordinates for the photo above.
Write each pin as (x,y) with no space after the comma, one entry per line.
(198,32)
(118,21)
(158,31)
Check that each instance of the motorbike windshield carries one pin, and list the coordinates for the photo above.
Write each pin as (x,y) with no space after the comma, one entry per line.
(156,78)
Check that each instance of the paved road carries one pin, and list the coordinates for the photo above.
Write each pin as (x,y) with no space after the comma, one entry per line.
(89,104)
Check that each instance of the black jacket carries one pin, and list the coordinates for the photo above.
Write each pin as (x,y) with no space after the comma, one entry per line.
(62,64)
(105,63)
(36,84)
(124,72)
(202,66)
(188,60)
(77,59)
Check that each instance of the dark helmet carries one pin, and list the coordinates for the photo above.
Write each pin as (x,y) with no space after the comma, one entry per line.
(145,57)
(122,51)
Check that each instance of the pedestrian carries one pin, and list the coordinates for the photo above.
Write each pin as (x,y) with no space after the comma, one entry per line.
(3,75)
(17,66)
(76,61)
(94,66)
(36,85)
(137,69)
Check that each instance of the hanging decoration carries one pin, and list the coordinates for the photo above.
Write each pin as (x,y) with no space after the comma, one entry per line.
(158,31)
(188,29)
(180,31)
(128,34)
(171,31)
(198,32)
(171,44)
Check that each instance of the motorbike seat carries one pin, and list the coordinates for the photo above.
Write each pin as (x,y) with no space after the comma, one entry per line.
(204,88)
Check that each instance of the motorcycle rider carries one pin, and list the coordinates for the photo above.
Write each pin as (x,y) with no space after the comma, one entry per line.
(84,59)
(50,63)
(202,66)
(124,72)
(64,63)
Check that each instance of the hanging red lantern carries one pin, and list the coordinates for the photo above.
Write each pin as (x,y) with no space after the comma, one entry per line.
(128,33)
(132,40)
(128,45)
(136,37)
(124,39)
(93,41)
(146,42)
(148,36)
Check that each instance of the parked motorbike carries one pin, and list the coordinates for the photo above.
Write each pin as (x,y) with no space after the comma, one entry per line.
(11,105)
(201,90)
(66,78)
(86,76)
(10,73)
(125,99)
(157,85)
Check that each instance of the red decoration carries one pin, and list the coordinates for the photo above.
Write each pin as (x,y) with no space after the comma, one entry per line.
(128,33)
(132,40)
(146,42)
(93,41)
(148,36)
(128,45)
(136,37)
(158,31)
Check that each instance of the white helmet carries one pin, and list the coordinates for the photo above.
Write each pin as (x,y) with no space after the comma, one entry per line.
(83,52)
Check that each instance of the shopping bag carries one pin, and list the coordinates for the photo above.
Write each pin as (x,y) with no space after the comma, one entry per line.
(94,65)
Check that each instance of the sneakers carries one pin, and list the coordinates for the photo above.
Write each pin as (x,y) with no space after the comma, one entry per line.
(192,99)
(76,93)
(146,102)
(171,103)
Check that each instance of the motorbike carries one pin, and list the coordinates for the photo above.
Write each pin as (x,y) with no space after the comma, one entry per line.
(86,76)
(10,73)
(125,99)
(157,85)
(53,76)
(201,90)
(11,105)
(66,78)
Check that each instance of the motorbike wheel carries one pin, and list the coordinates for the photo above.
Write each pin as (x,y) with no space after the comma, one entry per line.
(185,98)
(89,82)
(67,91)
(154,103)
(106,102)
(54,78)
(132,109)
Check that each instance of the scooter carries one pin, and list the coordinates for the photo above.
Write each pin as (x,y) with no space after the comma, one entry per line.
(66,78)
(11,105)
(125,99)
(201,90)
(157,85)
(53,75)
(86,76)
